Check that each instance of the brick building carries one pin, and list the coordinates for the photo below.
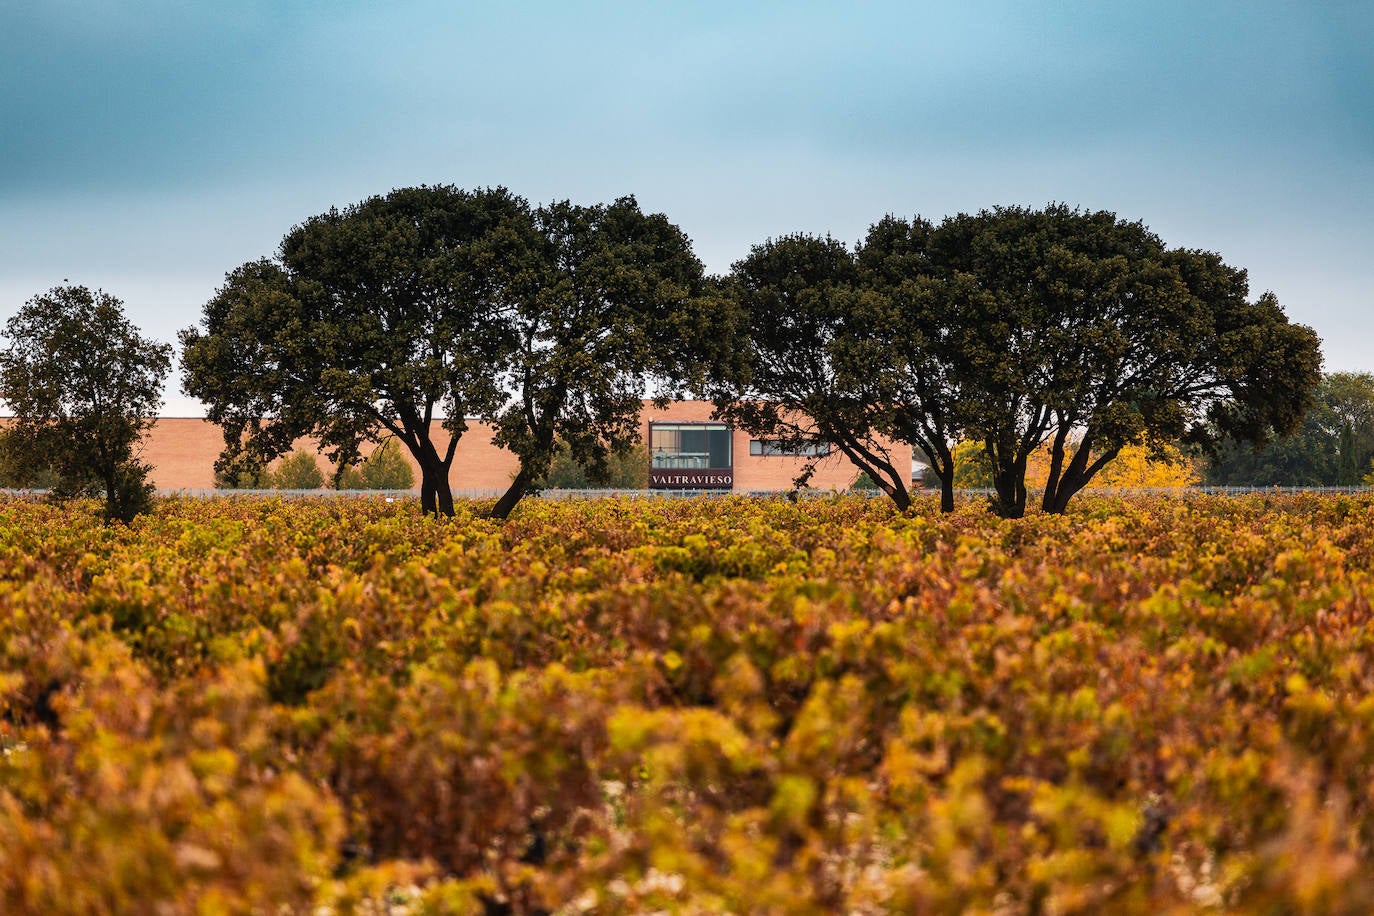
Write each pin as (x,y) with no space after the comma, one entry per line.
(687,450)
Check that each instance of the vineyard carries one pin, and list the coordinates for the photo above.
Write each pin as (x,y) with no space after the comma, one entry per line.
(1150,704)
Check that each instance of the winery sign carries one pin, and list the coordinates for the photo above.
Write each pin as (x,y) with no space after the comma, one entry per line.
(691,479)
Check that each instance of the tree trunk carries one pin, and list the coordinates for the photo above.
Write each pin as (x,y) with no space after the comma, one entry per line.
(882,472)
(1010,501)
(900,496)
(1058,473)
(942,463)
(1060,503)
(518,488)
(435,496)
(1077,476)
(1009,482)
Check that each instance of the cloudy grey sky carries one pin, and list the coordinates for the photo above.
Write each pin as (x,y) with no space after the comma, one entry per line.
(150,146)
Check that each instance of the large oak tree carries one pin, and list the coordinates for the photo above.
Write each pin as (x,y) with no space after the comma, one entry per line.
(415,312)
(1090,334)
(1016,328)
(614,305)
(387,318)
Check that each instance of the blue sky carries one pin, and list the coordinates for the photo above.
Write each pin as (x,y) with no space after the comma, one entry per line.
(150,146)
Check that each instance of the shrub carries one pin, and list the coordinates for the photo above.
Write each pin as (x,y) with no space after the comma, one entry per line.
(297,471)
(385,469)
(626,469)
(242,472)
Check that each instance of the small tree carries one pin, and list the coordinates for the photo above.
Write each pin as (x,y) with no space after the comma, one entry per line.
(243,471)
(972,469)
(1137,466)
(299,470)
(862,483)
(625,468)
(385,469)
(84,385)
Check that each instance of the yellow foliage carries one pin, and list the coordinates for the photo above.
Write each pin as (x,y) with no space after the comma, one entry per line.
(1133,467)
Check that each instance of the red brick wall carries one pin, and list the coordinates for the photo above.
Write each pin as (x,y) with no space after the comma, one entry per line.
(182,452)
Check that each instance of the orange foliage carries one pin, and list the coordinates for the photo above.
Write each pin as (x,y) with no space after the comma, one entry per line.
(1146,705)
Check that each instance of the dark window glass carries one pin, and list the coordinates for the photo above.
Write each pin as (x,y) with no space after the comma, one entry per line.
(718,444)
(692,441)
(776,448)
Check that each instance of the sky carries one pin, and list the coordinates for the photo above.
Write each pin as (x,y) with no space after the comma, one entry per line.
(148,147)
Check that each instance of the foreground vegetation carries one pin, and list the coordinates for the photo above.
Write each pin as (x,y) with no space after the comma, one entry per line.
(738,705)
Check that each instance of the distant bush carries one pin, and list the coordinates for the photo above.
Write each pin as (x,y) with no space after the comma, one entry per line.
(242,472)
(17,472)
(627,469)
(863,483)
(385,469)
(299,470)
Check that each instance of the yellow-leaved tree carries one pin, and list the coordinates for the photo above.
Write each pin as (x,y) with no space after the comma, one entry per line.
(1133,467)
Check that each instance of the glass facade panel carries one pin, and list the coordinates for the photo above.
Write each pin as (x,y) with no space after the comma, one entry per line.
(662,440)
(689,445)
(775,448)
(718,446)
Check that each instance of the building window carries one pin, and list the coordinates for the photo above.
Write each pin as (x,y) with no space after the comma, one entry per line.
(686,446)
(778,448)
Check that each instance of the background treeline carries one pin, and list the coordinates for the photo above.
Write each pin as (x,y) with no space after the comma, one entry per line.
(1052,339)
(1333,447)
(384,469)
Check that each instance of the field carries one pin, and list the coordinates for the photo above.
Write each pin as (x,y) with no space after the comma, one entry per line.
(748,706)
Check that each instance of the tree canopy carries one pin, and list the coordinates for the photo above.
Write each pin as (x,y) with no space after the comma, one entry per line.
(804,377)
(1017,328)
(614,304)
(413,313)
(84,385)
(389,317)
(1092,335)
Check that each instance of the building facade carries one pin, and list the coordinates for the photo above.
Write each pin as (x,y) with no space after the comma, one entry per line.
(687,451)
